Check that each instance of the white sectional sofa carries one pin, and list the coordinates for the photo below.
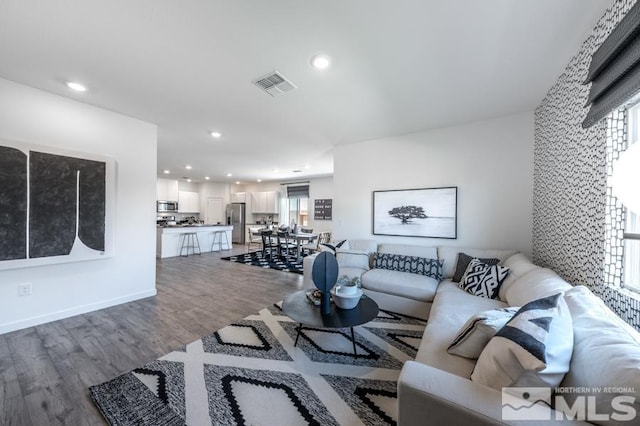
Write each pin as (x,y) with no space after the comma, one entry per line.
(436,388)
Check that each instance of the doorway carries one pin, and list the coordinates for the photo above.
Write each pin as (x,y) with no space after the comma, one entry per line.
(215,210)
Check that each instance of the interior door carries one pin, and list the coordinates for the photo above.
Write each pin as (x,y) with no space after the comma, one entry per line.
(215,211)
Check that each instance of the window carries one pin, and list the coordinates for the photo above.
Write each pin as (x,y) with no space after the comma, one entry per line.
(298,210)
(295,205)
(631,279)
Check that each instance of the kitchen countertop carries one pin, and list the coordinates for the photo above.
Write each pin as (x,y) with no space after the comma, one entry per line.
(191,226)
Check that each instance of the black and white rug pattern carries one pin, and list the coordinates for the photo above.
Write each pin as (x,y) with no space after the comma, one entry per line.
(249,373)
(281,263)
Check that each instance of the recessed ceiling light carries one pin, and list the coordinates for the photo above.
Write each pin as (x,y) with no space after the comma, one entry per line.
(188,180)
(207,178)
(216,135)
(307,166)
(188,167)
(229,175)
(320,62)
(237,182)
(166,172)
(259,180)
(78,87)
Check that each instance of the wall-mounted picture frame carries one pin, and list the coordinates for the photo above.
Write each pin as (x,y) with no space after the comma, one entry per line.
(59,205)
(424,212)
(322,209)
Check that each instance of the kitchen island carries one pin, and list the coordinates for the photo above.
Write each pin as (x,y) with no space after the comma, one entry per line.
(169,238)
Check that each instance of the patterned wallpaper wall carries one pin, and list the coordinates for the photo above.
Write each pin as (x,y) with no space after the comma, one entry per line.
(571,205)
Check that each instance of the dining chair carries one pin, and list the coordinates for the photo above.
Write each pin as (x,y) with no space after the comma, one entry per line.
(286,243)
(253,237)
(269,244)
(313,246)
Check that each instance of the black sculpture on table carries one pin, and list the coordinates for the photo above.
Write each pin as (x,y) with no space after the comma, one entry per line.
(325,276)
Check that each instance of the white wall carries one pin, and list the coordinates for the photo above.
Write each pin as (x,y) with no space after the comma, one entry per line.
(491,163)
(59,291)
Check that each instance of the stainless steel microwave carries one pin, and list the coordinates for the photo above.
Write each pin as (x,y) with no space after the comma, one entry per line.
(167,206)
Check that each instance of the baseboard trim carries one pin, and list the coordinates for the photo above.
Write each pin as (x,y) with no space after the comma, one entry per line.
(76,310)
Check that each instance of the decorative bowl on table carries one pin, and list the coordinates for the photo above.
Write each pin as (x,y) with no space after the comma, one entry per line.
(346,297)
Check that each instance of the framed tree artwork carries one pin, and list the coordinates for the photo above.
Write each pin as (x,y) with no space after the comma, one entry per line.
(426,212)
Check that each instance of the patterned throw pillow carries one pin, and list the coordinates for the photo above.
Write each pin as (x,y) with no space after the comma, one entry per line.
(463,262)
(412,264)
(483,280)
(333,246)
(532,350)
(478,331)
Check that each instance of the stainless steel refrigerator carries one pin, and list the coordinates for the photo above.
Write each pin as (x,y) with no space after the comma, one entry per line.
(236,216)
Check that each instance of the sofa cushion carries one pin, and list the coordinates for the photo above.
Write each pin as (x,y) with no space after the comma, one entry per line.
(463,263)
(533,349)
(429,252)
(351,272)
(404,284)
(518,265)
(353,259)
(483,280)
(478,331)
(370,246)
(451,308)
(536,284)
(606,351)
(412,264)
(450,256)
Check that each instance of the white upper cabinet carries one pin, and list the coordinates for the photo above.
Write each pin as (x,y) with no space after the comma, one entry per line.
(167,190)
(188,202)
(239,197)
(265,202)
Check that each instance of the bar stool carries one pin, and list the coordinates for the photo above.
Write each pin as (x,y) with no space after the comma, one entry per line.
(219,234)
(190,241)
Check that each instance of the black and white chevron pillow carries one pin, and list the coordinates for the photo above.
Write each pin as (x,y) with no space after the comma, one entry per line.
(483,280)
(412,264)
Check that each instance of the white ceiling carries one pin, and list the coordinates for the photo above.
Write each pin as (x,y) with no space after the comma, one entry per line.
(398,67)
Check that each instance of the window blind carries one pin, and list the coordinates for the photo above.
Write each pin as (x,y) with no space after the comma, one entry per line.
(614,72)
(298,191)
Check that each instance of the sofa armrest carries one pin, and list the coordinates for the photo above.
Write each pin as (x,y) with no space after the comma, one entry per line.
(307,270)
(430,396)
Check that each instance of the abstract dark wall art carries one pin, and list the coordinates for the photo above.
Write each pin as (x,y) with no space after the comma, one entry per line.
(13,204)
(53,207)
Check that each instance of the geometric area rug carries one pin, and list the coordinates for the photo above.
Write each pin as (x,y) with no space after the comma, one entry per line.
(280,263)
(249,373)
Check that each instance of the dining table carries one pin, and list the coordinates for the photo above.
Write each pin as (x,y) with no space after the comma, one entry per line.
(299,238)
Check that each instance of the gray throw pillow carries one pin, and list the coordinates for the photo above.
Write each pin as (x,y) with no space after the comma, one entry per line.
(478,330)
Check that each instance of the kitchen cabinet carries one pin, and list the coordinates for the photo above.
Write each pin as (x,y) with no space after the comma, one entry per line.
(167,190)
(239,197)
(188,202)
(265,202)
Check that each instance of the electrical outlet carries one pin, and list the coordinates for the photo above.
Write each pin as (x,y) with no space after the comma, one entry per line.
(24,289)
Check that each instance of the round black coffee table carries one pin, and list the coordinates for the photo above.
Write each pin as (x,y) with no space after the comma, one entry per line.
(298,307)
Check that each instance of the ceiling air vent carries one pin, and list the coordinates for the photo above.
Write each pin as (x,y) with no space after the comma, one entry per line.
(274,84)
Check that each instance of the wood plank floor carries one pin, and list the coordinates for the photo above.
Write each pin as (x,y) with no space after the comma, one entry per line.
(45,371)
